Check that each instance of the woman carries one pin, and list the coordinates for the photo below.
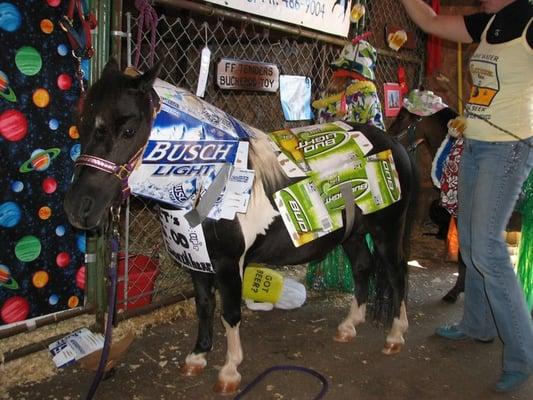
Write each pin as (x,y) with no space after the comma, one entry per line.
(496,160)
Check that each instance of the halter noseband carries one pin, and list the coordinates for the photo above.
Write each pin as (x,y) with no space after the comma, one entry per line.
(120,171)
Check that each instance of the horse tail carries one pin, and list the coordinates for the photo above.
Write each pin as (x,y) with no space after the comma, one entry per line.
(388,282)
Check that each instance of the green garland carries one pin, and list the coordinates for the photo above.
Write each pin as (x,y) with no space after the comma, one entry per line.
(525,254)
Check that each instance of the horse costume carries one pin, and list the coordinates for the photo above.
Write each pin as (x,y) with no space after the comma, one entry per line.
(115,125)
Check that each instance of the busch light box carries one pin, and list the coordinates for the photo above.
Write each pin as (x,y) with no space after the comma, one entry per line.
(190,141)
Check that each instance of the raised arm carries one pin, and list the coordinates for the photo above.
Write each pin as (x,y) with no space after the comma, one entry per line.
(449,27)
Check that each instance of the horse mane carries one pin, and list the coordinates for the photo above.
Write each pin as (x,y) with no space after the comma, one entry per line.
(264,162)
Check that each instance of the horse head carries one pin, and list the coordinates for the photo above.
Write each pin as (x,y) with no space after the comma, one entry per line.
(114,126)
(412,129)
(404,128)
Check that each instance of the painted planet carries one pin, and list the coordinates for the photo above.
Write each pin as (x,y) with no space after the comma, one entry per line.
(80,277)
(6,280)
(40,279)
(49,185)
(73,301)
(73,132)
(75,151)
(41,98)
(28,60)
(53,299)
(15,309)
(10,18)
(47,26)
(53,3)
(60,230)
(13,125)
(53,124)
(80,242)
(28,248)
(17,186)
(64,82)
(45,212)
(5,91)
(63,259)
(10,214)
(40,160)
(62,50)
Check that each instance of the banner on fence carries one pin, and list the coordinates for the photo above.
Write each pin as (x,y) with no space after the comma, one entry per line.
(330,16)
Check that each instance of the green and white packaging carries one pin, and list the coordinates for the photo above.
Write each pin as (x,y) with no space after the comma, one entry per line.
(332,155)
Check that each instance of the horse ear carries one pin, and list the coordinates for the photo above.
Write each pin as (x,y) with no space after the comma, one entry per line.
(146,80)
(111,66)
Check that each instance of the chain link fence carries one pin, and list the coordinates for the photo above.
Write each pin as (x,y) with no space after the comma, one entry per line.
(181,35)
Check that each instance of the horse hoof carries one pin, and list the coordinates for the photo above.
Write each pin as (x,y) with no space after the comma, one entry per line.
(343,337)
(226,388)
(392,348)
(191,370)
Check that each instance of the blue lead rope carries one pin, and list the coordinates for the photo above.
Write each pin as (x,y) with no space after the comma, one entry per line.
(267,371)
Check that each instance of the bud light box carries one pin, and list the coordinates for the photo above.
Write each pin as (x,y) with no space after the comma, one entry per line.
(190,142)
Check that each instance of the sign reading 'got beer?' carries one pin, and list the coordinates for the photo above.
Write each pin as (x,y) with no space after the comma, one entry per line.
(247,75)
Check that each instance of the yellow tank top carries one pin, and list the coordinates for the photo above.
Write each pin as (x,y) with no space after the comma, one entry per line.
(502,90)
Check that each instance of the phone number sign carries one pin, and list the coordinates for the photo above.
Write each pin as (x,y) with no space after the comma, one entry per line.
(330,16)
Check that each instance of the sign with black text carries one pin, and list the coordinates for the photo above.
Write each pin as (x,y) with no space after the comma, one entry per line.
(247,75)
(330,16)
(186,245)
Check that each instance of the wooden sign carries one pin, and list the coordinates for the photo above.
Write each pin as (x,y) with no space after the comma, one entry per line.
(247,75)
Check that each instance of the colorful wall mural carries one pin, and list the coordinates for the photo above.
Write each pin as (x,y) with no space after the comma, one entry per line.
(41,255)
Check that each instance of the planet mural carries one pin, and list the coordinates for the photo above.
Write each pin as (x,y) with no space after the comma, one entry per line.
(13,125)
(5,91)
(28,248)
(7,281)
(75,151)
(80,277)
(15,309)
(28,60)
(37,103)
(64,82)
(10,18)
(10,214)
(41,98)
(17,186)
(49,185)
(40,279)
(47,26)
(40,160)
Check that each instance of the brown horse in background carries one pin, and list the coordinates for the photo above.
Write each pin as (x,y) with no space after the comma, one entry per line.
(413,130)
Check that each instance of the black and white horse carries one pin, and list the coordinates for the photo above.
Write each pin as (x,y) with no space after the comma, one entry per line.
(115,125)
(413,130)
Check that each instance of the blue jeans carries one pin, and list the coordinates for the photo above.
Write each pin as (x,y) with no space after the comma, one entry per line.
(491,175)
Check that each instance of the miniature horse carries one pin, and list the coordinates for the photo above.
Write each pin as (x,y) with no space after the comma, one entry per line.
(115,125)
(412,130)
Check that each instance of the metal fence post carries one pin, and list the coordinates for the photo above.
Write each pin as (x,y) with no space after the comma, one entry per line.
(97,244)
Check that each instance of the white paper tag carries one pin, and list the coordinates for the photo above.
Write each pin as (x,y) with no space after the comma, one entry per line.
(75,346)
(185,244)
(204,72)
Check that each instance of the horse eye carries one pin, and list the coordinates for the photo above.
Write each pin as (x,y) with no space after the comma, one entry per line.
(128,132)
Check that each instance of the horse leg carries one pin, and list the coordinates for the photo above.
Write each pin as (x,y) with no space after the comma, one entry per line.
(388,244)
(204,290)
(230,286)
(459,287)
(360,259)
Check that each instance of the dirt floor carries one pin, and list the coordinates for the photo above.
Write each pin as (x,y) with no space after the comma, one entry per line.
(428,368)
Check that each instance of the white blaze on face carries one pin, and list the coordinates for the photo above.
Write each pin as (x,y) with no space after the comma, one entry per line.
(99,122)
